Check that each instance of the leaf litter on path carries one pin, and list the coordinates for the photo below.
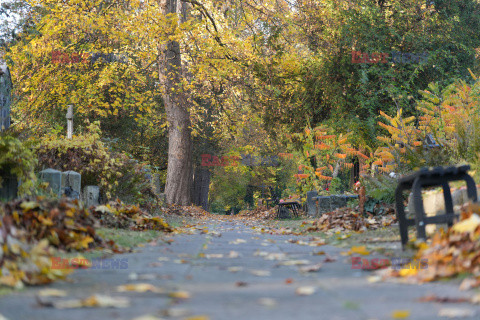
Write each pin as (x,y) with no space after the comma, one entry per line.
(93,301)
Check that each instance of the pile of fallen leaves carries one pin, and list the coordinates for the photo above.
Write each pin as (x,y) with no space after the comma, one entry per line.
(117,214)
(351,219)
(31,231)
(192,211)
(260,212)
(450,253)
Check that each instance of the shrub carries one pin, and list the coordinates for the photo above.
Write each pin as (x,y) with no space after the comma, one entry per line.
(17,159)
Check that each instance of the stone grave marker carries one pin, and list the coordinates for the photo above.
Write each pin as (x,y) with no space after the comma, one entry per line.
(311,206)
(71,184)
(91,196)
(8,186)
(54,179)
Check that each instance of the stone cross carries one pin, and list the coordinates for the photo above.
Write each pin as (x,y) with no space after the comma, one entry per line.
(70,122)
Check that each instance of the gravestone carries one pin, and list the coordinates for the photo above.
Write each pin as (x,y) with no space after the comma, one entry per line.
(5,95)
(323,204)
(54,179)
(311,207)
(71,184)
(91,196)
(8,186)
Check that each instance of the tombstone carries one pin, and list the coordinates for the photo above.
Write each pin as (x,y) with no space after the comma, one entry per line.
(311,207)
(338,201)
(91,196)
(71,184)
(8,186)
(54,179)
(5,95)
(324,204)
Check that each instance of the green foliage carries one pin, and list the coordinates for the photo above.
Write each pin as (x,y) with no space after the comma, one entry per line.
(17,159)
(381,188)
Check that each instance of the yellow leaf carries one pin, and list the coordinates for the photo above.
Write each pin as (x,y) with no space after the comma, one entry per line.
(360,250)
(139,287)
(400,314)
(468,225)
(179,295)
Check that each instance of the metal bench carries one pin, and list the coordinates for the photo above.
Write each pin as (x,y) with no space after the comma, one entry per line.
(430,177)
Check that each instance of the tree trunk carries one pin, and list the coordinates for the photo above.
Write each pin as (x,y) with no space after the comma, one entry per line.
(179,171)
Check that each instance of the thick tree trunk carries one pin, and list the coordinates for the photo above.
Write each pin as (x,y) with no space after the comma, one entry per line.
(179,171)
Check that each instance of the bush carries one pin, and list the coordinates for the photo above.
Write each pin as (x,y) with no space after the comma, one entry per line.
(17,159)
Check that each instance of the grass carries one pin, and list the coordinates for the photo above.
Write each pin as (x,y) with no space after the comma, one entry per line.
(128,238)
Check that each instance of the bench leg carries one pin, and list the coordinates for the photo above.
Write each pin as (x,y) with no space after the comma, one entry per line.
(447,196)
(419,211)
(400,211)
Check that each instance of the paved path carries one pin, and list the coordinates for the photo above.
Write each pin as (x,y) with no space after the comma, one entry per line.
(190,264)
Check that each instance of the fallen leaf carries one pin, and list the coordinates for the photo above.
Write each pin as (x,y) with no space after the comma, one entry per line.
(175,312)
(305,291)
(241,284)
(198,318)
(52,293)
(359,250)
(468,225)
(400,314)
(289,281)
(214,256)
(235,269)
(276,256)
(147,317)
(469,283)
(233,254)
(163,259)
(435,298)
(260,273)
(456,313)
(310,268)
(329,259)
(373,279)
(238,241)
(267,302)
(294,262)
(179,295)
(139,287)
(96,300)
